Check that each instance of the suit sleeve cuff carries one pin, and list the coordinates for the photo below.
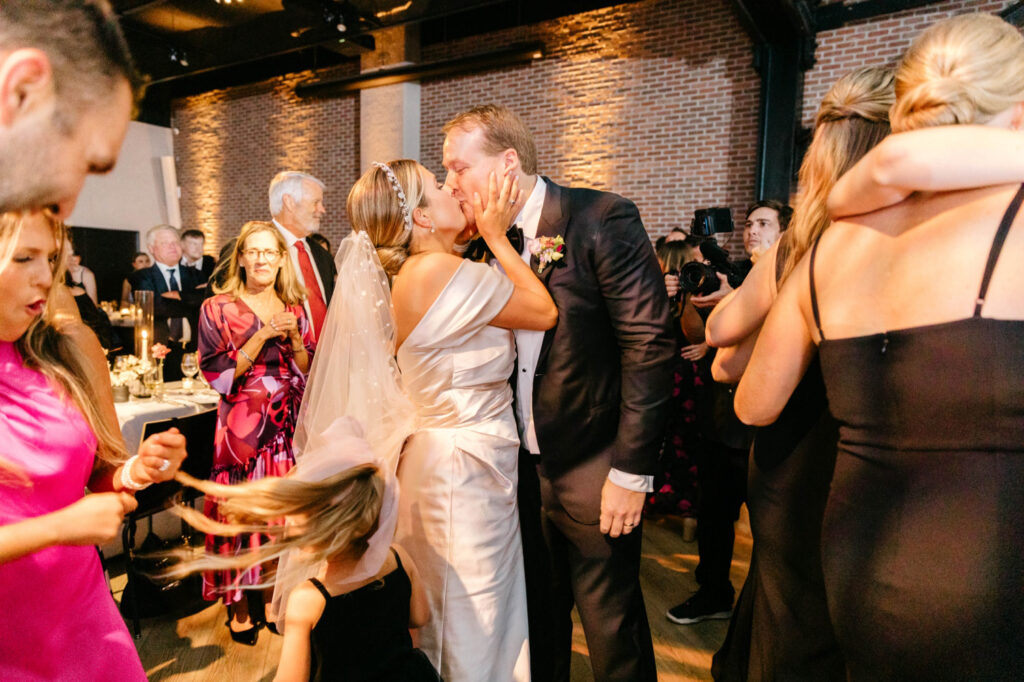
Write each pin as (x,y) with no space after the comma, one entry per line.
(638,483)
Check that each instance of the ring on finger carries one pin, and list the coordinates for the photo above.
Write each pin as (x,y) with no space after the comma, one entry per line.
(165,466)
(511,202)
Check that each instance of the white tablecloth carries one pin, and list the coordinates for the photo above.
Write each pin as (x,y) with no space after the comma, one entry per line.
(134,414)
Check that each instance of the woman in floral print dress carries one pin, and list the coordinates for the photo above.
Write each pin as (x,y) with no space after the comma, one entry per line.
(255,347)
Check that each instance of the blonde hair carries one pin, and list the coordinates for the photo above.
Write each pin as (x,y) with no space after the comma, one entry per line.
(503,129)
(341,514)
(286,285)
(374,207)
(46,349)
(965,69)
(852,118)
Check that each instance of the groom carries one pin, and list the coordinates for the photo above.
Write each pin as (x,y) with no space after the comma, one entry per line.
(591,400)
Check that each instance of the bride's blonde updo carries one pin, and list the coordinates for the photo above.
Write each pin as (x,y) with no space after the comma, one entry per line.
(374,207)
(962,70)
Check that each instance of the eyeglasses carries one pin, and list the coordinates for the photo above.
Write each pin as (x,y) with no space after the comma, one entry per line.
(270,255)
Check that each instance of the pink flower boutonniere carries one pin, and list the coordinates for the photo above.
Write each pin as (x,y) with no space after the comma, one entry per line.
(159,351)
(547,250)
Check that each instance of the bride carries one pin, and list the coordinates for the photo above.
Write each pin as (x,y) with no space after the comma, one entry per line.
(404,296)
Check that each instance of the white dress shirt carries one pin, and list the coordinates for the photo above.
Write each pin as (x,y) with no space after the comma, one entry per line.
(290,240)
(165,270)
(528,343)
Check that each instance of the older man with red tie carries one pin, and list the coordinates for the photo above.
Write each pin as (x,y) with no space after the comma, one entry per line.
(297,205)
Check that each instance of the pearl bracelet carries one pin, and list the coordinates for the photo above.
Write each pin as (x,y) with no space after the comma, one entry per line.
(127,481)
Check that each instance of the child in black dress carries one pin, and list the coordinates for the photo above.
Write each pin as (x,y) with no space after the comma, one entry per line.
(346,597)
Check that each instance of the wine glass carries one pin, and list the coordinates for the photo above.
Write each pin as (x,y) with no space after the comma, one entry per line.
(189,367)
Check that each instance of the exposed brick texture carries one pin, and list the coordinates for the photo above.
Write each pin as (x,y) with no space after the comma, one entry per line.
(881,40)
(231,143)
(655,100)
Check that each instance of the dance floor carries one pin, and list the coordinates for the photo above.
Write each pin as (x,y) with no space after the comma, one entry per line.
(194,646)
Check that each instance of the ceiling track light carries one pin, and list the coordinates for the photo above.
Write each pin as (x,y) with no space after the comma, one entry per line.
(335,18)
(178,56)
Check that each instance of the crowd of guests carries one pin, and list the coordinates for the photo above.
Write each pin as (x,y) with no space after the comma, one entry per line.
(375,471)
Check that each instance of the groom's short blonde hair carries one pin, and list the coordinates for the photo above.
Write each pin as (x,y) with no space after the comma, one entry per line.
(503,129)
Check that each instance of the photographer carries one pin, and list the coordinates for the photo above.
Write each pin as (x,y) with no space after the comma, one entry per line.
(722,461)
(764,223)
(675,483)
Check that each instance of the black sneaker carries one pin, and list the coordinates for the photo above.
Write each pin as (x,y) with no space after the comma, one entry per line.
(701,606)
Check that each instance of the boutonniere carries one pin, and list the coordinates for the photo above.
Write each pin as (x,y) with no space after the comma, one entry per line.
(547,250)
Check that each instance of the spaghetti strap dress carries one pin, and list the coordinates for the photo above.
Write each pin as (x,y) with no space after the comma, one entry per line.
(923,537)
(363,635)
(780,627)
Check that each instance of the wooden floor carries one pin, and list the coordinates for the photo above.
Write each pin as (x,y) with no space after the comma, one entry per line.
(196,647)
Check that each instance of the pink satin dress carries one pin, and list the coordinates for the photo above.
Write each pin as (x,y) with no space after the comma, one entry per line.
(57,618)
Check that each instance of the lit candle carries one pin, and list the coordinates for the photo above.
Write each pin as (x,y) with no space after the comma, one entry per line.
(145,344)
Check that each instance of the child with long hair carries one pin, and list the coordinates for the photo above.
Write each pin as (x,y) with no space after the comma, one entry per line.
(349,596)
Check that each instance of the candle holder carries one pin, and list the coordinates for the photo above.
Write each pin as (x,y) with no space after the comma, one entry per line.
(143,324)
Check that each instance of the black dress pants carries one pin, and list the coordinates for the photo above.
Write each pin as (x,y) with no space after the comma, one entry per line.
(572,562)
(722,485)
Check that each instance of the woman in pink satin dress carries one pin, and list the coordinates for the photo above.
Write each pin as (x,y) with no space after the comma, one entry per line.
(58,435)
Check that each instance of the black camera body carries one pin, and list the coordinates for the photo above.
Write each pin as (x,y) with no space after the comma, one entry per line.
(701,279)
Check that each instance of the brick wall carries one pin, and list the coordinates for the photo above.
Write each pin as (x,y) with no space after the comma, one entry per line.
(231,143)
(654,100)
(876,41)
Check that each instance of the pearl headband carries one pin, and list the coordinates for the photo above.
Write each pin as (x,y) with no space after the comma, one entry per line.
(393,179)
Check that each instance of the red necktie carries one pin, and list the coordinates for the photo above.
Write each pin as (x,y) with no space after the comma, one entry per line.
(316,299)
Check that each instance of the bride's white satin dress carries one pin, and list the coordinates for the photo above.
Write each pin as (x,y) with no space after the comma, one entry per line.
(458,473)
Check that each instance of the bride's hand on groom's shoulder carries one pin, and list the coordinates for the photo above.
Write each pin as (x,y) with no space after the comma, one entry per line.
(493,220)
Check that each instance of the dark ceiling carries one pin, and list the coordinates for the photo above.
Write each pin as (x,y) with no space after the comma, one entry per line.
(187,47)
(191,46)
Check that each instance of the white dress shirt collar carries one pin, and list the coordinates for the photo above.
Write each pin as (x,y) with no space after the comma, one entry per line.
(529,217)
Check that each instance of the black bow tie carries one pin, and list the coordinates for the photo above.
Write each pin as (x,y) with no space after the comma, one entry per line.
(479,251)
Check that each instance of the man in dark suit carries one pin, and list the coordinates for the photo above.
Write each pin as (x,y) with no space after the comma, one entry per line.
(297,207)
(177,294)
(591,401)
(192,243)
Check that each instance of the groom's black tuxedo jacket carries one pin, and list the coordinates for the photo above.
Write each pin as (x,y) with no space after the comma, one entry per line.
(603,382)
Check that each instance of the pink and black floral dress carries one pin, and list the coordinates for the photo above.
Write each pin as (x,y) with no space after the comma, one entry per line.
(255,421)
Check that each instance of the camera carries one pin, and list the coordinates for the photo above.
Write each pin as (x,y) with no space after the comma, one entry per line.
(702,278)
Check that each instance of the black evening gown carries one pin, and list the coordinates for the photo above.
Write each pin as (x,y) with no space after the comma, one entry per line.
(923,540)
(363,635)
(780,627)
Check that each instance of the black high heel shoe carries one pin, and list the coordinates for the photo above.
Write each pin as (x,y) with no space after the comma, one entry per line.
(247,637)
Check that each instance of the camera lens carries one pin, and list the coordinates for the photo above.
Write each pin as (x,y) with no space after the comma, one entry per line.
(698,278)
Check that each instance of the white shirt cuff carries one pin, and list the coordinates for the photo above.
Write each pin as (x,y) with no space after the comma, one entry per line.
(638,483)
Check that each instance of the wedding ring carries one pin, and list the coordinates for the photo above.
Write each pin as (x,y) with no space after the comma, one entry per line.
(511,202)
(627,525)
(165,466)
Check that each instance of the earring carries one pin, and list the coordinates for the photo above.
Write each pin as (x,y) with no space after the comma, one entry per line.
(432,229)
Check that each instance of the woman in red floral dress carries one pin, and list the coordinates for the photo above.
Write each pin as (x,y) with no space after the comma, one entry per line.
(255,348)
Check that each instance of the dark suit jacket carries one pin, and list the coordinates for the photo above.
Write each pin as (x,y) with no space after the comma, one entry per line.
(322,261)
(206,268)
(603,381)
(192,294)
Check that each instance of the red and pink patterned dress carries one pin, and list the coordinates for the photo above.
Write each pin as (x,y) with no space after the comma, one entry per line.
(255,421)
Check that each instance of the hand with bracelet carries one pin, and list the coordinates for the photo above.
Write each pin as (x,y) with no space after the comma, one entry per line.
(160,456)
